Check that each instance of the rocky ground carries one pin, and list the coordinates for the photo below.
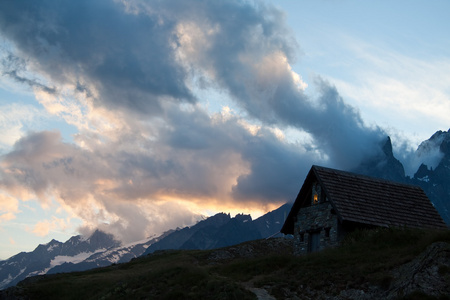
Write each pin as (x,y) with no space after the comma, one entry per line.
(428,275)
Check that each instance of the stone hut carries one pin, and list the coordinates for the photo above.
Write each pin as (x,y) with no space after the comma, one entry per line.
(332,203)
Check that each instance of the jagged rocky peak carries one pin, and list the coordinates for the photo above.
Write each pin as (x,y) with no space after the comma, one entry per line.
(41,248)
(423,173)
(218,219)
(423,170)
(243,218)
(384,164)
(445,145)
(75,240)
(438,141)
(52,242)
(437,146)
(435,151)
(387,147)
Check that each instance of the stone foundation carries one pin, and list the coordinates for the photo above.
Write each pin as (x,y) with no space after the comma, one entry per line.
(316,228)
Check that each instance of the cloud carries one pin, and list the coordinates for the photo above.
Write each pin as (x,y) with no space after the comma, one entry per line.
(142,53)
(15,68)
(253,65)
(125,58)
(128,187)
(276,169)
(14,119)
(43,228)
(148,156)
(32,83)
(9,207)
(389,83)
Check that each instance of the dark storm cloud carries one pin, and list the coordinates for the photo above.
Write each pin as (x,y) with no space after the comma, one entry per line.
(12,65)
(129,50)
(249,56)
(127,57)
(339,130)
(130,53)
(32,83)
(277,169)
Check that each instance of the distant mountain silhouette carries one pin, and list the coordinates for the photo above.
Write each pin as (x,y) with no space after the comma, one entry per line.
(222,230)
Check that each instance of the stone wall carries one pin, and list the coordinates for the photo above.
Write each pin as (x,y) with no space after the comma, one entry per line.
(315,219)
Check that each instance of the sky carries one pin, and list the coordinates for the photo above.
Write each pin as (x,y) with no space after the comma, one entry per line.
(136,117)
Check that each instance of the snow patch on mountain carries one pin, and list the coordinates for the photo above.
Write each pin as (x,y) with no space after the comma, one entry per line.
(39,272)
(7,280)
(51,247)
(60,259)
(11,278)
(425,178)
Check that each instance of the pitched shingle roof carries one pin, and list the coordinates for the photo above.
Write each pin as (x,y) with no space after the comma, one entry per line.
(368,200)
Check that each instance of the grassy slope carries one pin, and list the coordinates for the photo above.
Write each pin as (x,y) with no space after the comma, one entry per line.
(365,258)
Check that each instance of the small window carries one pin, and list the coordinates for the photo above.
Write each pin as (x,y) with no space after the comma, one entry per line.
(327,232)
(316,198)
(316,194)
(302,237)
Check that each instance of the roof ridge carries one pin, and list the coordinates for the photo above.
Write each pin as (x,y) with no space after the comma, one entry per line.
(362,176)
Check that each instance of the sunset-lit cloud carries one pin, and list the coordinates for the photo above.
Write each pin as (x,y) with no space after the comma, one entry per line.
(9,207)
(43,228)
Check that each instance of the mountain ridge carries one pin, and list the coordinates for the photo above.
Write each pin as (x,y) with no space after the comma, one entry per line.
(47,256)
(226,232)
(101,249)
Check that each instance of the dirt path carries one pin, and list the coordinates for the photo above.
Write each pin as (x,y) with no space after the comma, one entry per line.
(261,294)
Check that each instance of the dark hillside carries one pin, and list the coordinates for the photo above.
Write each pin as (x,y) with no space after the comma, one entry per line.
(378,264)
